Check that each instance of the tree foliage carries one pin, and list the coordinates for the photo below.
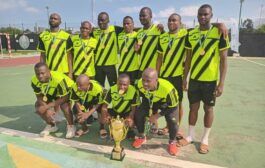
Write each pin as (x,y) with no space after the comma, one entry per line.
(10,30)
(247,26)
(261,29)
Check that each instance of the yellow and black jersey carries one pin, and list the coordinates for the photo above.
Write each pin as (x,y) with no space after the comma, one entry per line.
(107,46)
(93,96)
(148,39)
(128,56)
(205,46)
(122,103)
(172,48)
(84,52)
(164,94)
(55,45)
(58,86)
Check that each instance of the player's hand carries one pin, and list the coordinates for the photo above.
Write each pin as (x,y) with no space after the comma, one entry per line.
(43,108)
(129,122)
(106,119)
(153,118)
(50,115)
(184,85)
(82,117)
(137,47)
(160,27)
(219,90)
(223,29)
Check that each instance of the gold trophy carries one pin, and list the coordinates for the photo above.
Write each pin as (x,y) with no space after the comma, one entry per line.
(118,131)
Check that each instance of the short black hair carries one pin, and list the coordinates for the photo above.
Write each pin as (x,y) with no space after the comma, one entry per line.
(104,13)
(124,75)
(206,6)
(147,8)
(40,64)
(84,22)
(175,14)
(127,17)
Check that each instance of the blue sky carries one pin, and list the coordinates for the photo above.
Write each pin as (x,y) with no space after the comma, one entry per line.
(31,12)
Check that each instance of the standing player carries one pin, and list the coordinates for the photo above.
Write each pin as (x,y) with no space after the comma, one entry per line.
(207,63)
(84,51)
(107,50)
(147,40)
(171,56)
(55,46)
(129,58)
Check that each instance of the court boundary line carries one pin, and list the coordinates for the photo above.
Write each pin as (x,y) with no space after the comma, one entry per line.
(246,59)
(167,161)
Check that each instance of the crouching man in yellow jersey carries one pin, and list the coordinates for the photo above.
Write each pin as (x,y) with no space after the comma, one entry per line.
(52,89)
(87,95)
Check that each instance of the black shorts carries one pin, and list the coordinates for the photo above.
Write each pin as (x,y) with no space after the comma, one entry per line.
(112,113)
(200,90)
(108,71)
(140,74)
(176,81)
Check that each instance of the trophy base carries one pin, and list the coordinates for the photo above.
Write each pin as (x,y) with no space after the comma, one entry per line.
(117,155)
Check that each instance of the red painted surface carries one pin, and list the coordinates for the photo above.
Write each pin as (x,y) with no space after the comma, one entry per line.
(9,62)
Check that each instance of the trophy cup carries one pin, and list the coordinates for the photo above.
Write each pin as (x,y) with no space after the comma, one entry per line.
(118,131)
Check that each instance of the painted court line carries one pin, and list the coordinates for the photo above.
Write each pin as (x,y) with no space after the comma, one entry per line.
(107,150)
(246,59)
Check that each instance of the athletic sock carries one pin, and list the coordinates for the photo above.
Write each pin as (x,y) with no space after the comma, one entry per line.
(191,135)
(205,135)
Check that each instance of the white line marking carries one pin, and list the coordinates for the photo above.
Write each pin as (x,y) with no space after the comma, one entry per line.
(246,59)
(107,150)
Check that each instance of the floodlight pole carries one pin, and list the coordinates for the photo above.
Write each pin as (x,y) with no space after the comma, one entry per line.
(261,6)
(48,14)
(239,23)
(92,10)
(239,19)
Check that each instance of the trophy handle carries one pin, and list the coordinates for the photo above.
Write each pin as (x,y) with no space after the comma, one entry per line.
(126,128)
(110,131)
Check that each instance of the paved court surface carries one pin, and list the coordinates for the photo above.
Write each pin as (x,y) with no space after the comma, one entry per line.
(236,140)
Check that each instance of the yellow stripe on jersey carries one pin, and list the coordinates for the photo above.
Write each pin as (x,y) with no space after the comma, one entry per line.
(165,93)
(58,86)
(148,53)
(205,67)
(122,103)
(128,57)
(172,46)
(84,53)
(94,94)
(107,47)
(55,48)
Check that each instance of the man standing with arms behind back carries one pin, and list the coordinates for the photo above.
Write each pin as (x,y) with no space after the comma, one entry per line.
(206,59)
(107,50)
(147,40)
(55,46)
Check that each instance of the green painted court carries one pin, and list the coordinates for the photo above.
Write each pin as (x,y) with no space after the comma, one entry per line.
(236,139)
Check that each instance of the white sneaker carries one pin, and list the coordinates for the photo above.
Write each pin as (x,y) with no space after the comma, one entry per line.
(58,117)
(70,131)
(48,129)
